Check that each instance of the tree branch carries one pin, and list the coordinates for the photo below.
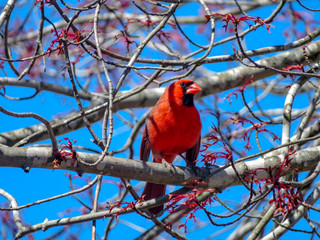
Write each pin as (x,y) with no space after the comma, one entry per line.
(145,98)
(220,177)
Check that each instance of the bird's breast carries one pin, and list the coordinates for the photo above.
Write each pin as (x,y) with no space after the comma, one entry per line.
(174,131)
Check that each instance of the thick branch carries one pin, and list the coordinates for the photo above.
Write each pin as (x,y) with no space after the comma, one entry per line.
(217,83)
(221,178)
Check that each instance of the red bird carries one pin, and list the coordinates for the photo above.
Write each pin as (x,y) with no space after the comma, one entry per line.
(172,128)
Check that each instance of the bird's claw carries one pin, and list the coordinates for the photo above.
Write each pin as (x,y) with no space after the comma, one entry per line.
(194,169)
(168,165)
(165,163)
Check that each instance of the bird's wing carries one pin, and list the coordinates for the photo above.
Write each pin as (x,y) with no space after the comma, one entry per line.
(145,147)
(192,153)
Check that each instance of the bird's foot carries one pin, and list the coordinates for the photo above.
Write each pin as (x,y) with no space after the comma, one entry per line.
(194,168)
(169,165)
(166,164)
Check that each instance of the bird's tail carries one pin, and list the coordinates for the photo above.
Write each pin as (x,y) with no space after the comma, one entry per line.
(153,190)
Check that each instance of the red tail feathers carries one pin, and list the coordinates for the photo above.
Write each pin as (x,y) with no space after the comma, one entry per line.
(153,190)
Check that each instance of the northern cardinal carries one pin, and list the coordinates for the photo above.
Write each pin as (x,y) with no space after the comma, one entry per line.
(172,128)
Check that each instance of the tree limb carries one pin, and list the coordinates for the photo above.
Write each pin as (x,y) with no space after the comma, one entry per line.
(220,177)
(145,98)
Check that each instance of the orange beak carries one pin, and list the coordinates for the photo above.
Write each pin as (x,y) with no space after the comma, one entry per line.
(193,89)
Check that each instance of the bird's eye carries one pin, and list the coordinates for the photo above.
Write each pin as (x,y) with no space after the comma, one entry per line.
(182,84)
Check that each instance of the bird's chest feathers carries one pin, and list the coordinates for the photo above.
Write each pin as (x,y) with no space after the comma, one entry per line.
(174,129)
(176,123)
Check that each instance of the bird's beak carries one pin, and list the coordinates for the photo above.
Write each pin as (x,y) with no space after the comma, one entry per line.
(193,89)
